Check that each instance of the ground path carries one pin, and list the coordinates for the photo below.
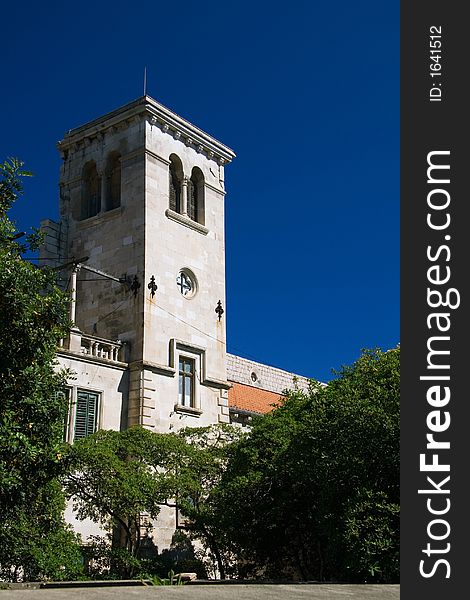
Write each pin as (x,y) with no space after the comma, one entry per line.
(213,592)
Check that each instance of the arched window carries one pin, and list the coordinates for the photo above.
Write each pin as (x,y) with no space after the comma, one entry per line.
(176,177)
(196,196)
(113,181)
(91,191)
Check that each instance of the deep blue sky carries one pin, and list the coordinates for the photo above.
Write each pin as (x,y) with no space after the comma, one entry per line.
(306,93)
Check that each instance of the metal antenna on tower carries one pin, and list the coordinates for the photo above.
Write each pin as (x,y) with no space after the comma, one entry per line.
(145,81)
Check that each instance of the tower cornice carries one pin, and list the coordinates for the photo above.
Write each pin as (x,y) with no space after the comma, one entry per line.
(157,115)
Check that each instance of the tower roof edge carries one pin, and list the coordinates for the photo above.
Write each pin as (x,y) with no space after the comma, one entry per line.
(158,115)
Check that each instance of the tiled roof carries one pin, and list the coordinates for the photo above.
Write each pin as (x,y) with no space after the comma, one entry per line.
(246,397)
(261,376)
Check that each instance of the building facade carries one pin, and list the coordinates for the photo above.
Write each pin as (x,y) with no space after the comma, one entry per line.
(140,244)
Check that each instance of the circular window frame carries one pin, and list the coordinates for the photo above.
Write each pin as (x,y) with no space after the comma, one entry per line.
(193,281)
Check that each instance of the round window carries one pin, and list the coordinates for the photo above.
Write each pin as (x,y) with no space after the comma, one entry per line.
(186,283)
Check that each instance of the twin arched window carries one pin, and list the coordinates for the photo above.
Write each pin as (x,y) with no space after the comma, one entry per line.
(113,181)
(196,196)
(92,187)
(176,179)
(186,195)
(91,191)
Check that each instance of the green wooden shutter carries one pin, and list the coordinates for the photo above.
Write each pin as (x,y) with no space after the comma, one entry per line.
(66,395)
(86,414)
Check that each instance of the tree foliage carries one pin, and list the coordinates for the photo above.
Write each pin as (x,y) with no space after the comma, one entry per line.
(37,544)
(33,316)
(313,491)
(207,454)
(115,477)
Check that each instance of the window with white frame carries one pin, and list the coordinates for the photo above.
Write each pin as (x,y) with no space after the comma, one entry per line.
(188,363)
(86,414)
(186,373)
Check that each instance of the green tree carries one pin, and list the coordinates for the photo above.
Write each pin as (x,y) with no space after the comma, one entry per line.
(37,544)
(313,491)
(207,452)
(33,317)
(115,477)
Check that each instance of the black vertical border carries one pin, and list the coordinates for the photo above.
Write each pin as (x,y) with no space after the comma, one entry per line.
(429,126)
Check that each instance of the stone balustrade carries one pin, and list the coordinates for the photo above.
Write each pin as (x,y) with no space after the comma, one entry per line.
(94,346)
(101,348)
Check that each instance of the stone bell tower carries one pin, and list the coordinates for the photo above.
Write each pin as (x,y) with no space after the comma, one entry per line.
(142,199)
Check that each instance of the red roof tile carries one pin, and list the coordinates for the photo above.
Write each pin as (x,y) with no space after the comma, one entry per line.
(253,399)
